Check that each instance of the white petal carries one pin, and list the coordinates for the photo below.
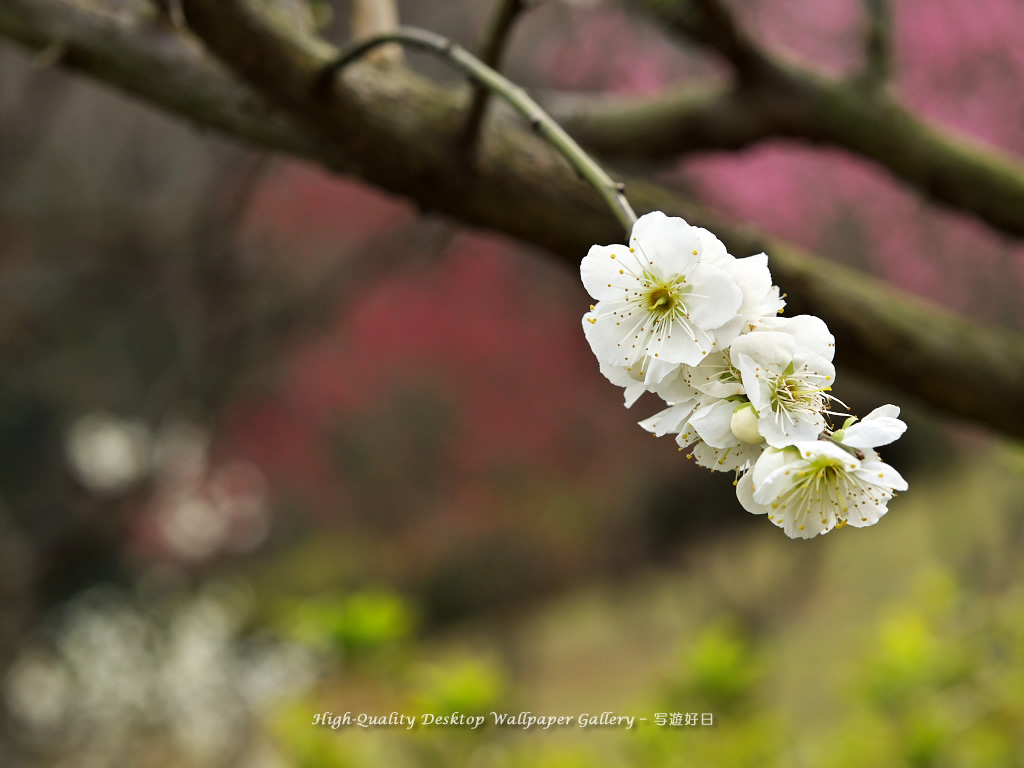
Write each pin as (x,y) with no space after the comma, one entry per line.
(763,348)
(658,370)
(812,337)
(600,273)
(754,280)
(881,474)
(728,331)
(714,297)
(607,340)
(745,495)
(675,387)
(783,429)
(874,431)
(817,371)
(667,245)
(707,376)
(769,306)
(632,393)
(712,424)
(755,381)
(771,460)
(888,411)
(806,525)
(712,250)
(777,482)
(671,420)
(811,448)
(678,347)
(755,283)
(737,457)
(867,513)
(621,377)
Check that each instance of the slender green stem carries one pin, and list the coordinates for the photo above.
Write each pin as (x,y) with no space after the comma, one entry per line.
(611,192)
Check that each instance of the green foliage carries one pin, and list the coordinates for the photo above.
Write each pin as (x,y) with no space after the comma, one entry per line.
(938,685)
(719,674)
(909,658)
(869,665)
(720,670)
(472,686)
(307,746)
(356,625)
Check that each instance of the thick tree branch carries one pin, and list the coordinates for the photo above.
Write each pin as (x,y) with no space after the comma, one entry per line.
(397,131)
(664,126)
(776,98)
(135,51)
(484,76)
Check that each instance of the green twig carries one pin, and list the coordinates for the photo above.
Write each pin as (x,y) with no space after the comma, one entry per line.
(611,192)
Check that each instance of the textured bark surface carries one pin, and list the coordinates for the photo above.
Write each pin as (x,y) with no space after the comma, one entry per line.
(785,102)
(400,132)
(774,98)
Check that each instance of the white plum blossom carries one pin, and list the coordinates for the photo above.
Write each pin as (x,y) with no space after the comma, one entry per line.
(761,299)
(746,391)
(786,373)
(659,305)
(812,487)
(880,427)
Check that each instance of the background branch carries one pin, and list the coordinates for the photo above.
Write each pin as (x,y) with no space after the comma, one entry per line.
(374,17)
(397,131)
(712,24)
(491,51)
(612,193)
(660,127)
(776,98)
(877,45)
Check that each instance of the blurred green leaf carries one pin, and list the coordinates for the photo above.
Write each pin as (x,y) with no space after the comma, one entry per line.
(357,624)
(720,669)
(470,686)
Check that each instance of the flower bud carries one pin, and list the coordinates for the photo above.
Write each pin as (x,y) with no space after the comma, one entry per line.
(744,424)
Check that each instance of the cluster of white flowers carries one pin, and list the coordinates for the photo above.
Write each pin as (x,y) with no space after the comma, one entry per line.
(678,316)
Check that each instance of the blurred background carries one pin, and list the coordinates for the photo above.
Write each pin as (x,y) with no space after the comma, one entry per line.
(274,444)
